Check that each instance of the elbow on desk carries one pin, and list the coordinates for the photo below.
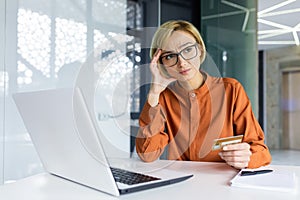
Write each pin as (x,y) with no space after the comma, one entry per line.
(259,159)
(148,156)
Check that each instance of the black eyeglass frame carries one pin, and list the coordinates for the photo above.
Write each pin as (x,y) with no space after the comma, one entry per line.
(179,53)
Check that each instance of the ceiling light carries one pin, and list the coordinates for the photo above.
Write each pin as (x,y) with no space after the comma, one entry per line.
(276,6)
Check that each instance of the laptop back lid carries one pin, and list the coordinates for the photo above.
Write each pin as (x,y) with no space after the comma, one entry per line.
(66,139)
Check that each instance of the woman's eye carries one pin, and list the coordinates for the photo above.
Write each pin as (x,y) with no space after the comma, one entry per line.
(170,56)
(188,49)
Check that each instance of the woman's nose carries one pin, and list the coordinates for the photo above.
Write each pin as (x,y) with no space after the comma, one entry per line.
(181,61)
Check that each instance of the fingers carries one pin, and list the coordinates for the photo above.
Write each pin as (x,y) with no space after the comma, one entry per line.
(239,159)
(160,78)
(238,165)
(238,146)
(236,155)
(156,56)
(154,62)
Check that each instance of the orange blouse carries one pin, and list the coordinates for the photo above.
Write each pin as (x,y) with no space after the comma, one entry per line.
(188,122)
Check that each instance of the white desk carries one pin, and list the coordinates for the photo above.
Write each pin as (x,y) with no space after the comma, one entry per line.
(210,181)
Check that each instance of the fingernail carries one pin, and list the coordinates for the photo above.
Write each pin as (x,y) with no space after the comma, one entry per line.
(225,148)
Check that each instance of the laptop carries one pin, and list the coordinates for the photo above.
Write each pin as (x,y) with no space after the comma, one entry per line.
(69,145)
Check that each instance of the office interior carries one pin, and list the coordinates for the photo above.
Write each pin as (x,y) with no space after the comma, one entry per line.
(45,44)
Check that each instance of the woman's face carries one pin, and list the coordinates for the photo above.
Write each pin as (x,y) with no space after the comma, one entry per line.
(183,48)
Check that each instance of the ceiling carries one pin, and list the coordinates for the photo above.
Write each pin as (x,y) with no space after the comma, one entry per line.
(278,23)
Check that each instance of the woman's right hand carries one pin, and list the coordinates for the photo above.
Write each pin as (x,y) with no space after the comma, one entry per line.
(159,80)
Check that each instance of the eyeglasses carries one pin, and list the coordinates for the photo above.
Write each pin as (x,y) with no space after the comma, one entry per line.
(187,53)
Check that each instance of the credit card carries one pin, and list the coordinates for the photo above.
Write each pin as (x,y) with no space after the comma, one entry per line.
(221,142)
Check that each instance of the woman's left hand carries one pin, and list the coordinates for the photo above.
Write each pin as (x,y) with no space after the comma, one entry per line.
(236,155)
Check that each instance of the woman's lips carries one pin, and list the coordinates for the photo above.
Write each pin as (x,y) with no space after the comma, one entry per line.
(183,72)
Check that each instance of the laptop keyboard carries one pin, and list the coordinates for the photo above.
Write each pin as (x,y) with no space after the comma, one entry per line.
(130,178)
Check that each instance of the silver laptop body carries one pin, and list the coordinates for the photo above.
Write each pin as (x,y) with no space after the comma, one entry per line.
(68,145)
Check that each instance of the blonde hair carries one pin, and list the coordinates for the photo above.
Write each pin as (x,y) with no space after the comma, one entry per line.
(166,30)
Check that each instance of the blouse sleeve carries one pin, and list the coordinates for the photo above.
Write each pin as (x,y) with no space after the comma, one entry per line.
(151,138)
(246,123)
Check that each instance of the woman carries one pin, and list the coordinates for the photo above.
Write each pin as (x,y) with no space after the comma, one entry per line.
(187,108)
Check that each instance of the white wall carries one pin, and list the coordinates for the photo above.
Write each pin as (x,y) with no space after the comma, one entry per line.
(44,44)
(277,60)
(2,33)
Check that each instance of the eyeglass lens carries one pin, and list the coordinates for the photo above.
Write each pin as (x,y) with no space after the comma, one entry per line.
(187,53)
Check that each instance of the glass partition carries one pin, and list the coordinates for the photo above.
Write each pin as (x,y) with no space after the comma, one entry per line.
(46,43)
(229,31)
